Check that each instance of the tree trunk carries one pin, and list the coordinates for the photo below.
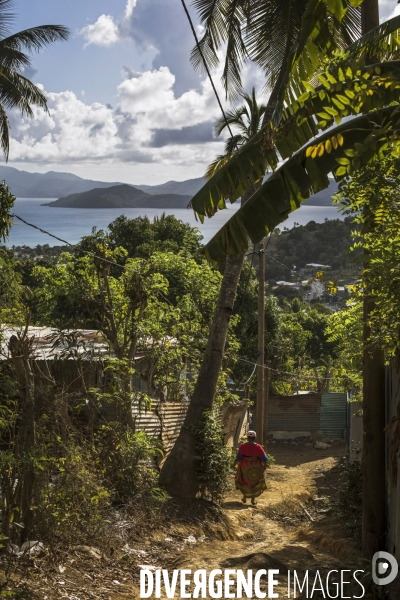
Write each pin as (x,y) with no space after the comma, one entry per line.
(178,475)
(373,467)
(20,349)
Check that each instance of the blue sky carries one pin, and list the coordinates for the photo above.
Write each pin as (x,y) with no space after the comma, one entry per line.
(125,103)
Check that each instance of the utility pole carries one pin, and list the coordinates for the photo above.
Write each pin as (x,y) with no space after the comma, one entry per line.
(260,414)
(266,398)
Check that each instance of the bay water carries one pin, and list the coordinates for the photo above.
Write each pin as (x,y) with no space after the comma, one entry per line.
(71,224)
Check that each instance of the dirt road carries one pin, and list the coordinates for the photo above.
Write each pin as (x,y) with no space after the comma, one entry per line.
(293,525)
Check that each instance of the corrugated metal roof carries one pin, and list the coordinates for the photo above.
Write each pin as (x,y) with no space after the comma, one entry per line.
(85,341)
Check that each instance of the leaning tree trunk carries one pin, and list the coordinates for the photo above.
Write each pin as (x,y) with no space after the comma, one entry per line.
(373,463)
(178,474)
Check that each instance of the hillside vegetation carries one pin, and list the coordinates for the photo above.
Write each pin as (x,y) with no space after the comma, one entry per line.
(120,196)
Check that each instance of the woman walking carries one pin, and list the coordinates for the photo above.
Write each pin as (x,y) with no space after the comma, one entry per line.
(252,461)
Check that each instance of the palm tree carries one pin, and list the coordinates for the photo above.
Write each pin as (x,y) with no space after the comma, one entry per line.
(16,90)
(247,118)
(300,112)
(286,38)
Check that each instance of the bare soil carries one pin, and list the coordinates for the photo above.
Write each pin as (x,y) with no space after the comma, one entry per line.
(293,525)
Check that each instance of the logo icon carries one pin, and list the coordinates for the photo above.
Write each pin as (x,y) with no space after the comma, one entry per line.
(384,568)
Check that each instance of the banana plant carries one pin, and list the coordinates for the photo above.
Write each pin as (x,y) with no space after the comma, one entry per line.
(305,140)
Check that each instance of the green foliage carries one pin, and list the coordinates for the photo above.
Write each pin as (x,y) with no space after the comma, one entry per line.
(246,119)
(213,458)
(70,493)
(297,178)
(17,91)
(344,329)
(325,243)
(295,338)
(6,203)
(271,461)
(142,238)
(347,87)
(273,35)
(378,215)
(128,461)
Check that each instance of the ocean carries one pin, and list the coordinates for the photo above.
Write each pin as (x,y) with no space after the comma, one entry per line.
(71,224)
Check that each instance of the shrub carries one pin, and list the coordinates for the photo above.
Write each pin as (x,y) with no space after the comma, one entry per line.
(213,458)
(129,460)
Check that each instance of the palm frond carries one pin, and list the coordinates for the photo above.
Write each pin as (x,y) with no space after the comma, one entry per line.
(364,88)
(233,116)
(236,52)
(35,38)
(232,144)
(216,165)
(16,91)
(212,16)
(13,59)
(271,33)
(6,16)
(266,31)
(4,133)
(315,41)
(365,138)
(384,39)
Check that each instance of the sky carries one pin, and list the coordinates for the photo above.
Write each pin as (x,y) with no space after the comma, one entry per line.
(124,101)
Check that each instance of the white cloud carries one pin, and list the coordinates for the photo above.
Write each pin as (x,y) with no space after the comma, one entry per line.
(395,12)
(102,33)
(77,132)
(106,31)
(130,5)
(387,9)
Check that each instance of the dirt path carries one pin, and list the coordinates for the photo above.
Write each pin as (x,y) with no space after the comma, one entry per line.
(293,527)
(279,528)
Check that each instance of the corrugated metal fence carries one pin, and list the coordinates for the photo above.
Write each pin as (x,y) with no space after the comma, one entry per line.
(316,416)
(165,419)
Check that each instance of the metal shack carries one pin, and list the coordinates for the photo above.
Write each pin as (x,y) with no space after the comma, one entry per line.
(74,360)
(306,416)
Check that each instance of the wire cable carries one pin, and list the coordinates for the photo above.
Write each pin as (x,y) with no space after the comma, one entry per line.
(92,254)
(205,64)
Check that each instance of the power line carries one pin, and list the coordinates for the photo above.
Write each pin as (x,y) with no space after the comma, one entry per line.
(293,375)
(205,64)
(92,254)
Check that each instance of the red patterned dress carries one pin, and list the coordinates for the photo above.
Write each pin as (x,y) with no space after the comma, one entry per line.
(252,461)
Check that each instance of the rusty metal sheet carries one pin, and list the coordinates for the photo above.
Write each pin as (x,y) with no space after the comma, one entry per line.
(231,417)
(298,403)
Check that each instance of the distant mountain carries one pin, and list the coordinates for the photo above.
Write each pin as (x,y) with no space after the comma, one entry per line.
(48,185)
(120,196)
(324,197)
(189,187)
(60,185)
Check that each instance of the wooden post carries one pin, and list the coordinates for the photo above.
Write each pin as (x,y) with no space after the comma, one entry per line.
(260,416)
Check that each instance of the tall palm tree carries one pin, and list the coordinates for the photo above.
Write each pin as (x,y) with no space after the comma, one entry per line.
(287,38)
(287,133)
(16,90)
(264,31)
(247,119)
